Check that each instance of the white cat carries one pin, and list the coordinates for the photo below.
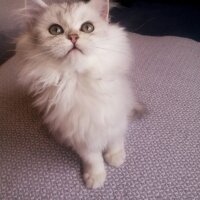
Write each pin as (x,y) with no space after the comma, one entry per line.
(75,64)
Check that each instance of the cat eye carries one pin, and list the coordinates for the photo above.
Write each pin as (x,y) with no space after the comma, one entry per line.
(87,27)
(56,29)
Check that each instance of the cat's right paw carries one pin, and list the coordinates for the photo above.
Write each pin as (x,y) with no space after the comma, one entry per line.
(115,159)
(94,180)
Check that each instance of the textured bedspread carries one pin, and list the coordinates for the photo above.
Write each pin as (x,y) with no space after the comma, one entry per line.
(163,148)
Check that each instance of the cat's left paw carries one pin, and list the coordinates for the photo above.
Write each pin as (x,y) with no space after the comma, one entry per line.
(115,159)
(93,179)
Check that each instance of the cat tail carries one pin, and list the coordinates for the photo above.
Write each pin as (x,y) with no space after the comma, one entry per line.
(138,111)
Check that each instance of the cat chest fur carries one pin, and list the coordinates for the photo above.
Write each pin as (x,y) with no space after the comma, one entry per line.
(81,104)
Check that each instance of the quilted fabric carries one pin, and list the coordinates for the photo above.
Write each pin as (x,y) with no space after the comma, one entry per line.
(163,148)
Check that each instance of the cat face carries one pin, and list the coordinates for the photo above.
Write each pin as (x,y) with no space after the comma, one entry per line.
(68,30)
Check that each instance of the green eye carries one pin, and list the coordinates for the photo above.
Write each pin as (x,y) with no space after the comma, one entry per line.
(87,27)
(56,29)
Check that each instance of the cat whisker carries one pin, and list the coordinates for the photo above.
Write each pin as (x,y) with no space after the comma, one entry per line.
(113,50)
(39,54)
(117,52)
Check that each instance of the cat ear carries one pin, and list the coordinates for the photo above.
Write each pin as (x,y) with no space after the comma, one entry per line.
(34,7)
(102,6)
(36,4)
(28,15)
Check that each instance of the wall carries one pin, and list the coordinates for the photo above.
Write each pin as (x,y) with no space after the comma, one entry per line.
(7,7)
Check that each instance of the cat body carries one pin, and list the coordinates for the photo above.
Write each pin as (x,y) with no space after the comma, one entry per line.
(79,80)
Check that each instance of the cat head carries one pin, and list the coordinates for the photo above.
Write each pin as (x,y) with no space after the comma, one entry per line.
(64,30)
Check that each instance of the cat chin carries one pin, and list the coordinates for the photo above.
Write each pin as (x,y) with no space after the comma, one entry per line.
(74,51)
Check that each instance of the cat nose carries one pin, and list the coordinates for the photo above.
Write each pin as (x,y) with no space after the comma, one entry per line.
(73,37)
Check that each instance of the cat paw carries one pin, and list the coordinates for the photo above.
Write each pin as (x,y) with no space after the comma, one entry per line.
(115,159)
(94,180)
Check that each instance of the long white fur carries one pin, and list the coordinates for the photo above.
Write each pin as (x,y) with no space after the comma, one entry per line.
(86,98)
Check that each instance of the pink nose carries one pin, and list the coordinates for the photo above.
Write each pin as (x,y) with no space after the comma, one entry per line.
(73,37)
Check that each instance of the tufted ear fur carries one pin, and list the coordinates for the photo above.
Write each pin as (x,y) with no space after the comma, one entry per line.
(29,14)
(102,6)
(36,4)
(34,7)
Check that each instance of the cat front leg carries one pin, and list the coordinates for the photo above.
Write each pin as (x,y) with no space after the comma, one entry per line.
(115,152)
(94,173)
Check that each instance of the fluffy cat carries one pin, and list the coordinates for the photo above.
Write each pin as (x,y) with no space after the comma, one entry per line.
(75,64)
